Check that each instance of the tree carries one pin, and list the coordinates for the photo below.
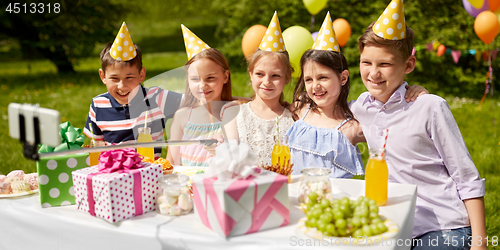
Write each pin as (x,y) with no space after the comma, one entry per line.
(64,36)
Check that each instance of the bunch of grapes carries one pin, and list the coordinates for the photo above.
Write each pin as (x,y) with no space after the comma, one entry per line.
(343,217)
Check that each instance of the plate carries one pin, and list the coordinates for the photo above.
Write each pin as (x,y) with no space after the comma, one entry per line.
(189,171)
(392,231)
(19,194)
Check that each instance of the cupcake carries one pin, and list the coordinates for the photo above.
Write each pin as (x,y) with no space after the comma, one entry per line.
(16,173)
(2,178)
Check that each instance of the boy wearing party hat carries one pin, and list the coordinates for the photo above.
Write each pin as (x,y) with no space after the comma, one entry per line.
(115,116)
(424,145)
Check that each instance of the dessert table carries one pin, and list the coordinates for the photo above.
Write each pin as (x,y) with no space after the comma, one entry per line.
(26,225)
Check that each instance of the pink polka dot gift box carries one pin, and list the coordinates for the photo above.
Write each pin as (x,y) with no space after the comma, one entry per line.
(118,191)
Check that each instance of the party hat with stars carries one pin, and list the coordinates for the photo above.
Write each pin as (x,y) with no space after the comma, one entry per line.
(273,39)
(194,44)
(391,24)
(326,39)
(123,48)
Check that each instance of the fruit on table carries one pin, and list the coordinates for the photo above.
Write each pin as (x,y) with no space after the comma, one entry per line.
(343,217)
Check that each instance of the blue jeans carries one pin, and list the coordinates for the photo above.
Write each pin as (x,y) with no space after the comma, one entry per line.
(446,239)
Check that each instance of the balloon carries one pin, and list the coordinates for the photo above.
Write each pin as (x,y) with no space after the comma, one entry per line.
(494,4)
(297,41)
(314,35)
(435,44)
(475,11)
(251,40)
(486,26)
(314,6)
(476,3)
(342,30)
(441,50)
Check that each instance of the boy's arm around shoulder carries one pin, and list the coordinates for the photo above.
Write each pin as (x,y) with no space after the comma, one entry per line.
(229,122)
(176,132)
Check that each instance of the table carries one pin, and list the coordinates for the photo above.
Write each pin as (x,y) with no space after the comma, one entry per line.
(25,225)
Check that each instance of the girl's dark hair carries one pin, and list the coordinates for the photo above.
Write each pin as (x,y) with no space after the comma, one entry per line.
(217,57)
(338,63)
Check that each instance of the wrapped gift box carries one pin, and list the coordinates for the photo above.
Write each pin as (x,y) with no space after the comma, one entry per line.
(242,206)
(54,178)
(120,195)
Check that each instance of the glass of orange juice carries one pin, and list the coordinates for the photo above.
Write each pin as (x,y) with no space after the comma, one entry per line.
(280,150)
(145,136)
(377,176)
(94,156)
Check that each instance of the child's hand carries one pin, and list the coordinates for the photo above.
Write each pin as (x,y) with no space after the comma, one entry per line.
(211,148)
(414,91)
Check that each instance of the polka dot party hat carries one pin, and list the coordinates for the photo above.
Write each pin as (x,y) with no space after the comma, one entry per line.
(123,48)
(273,39)
(326,39)
(194,44)
(391,24)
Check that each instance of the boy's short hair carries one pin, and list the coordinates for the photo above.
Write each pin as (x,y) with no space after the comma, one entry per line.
(402,47)
(107,60)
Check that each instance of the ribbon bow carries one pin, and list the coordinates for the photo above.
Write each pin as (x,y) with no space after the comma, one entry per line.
(119,160)
(232,161)
(72,138)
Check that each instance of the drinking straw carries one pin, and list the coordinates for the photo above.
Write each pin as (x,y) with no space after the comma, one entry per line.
(146,121)
(277,131)
(385,142)
(92,132)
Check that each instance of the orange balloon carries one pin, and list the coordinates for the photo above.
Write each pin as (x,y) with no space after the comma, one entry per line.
(441,50)
(251,40)
(342,30)
(494,4)
(486,26)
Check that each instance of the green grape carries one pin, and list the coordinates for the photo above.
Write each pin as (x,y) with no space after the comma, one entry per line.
(364,220)
(337,214)
(345,201)
(317,206)
(367,231)
(311,223)
(313,197)
(340,223)
(326,233)
(366,199)
(342,232)
(330,228)
(374,229)
(356,221)
(316,213)
(374,209)
(328,210)
(381,227)
(335,202)
(372,203)
(321,225)
(357,233)
(376,220)
(309,214)
(373,215)
(325,203)
(326,217)
(345,210)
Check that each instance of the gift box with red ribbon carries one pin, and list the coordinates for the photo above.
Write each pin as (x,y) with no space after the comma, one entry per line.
(119,187)
(237,198)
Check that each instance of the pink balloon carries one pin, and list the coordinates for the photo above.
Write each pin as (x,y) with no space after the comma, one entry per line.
(473,11)
(314,35)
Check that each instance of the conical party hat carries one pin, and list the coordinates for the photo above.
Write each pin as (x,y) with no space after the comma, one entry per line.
(194,44)
(273,39)
(123,48)
(391,24)
(326,39)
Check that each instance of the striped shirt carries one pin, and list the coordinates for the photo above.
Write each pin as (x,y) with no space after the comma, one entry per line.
(117,123)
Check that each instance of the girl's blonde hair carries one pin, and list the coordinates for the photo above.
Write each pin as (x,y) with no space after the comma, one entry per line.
(283,58)
(213,54)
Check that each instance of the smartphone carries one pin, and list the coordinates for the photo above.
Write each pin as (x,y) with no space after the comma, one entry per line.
(24,120)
